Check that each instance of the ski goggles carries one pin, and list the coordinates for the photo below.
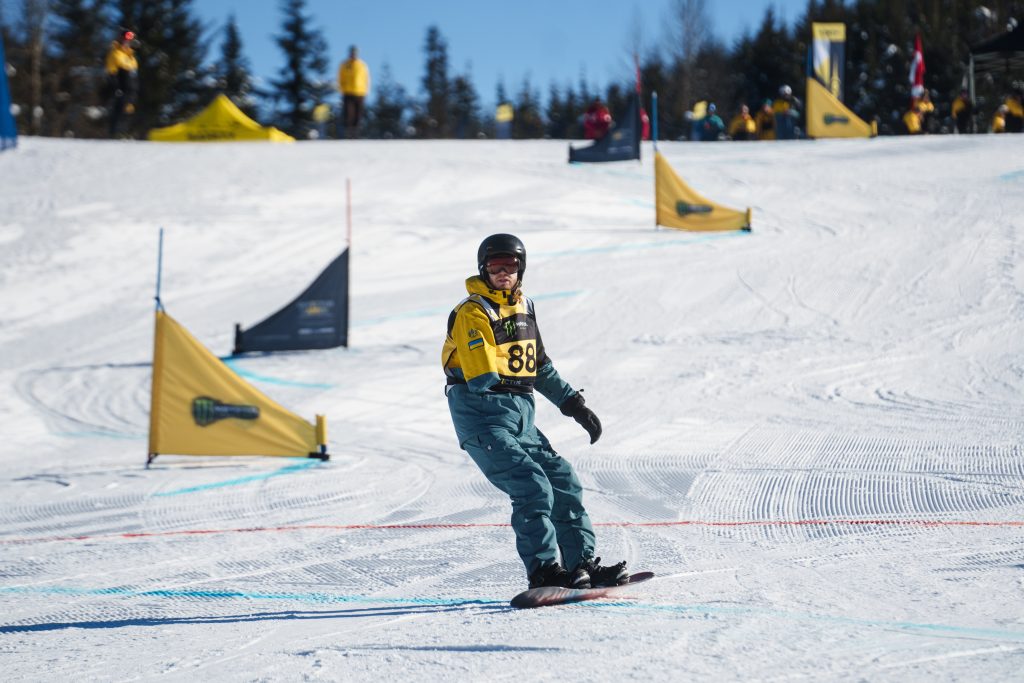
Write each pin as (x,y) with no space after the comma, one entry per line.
(503,264)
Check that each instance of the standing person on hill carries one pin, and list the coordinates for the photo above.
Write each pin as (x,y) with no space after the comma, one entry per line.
(962,110)
(786,108)
(122,75)
(765,120)
(743,126)
(596,120)
(494,358)
(912,119)
(354,83)
(926,108)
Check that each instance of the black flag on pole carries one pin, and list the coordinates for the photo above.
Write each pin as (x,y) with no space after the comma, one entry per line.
(317,319)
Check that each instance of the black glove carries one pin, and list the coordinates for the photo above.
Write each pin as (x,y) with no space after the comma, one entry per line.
(575,407)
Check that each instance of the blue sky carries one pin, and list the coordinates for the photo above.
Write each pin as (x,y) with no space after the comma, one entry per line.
(547,40)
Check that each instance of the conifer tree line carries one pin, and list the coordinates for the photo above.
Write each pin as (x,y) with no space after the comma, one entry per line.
(55,52)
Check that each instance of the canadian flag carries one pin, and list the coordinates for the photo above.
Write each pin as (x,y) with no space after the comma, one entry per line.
(917,70)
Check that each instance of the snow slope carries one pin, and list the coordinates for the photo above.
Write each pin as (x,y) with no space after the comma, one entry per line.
(812,432)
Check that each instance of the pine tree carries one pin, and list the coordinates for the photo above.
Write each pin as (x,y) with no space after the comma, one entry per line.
(386,118)
(79,39)
(303,82)
(232,70)
(528,122)
(434,121)
(557,127)
(27,54)
(173,83)
(465,107)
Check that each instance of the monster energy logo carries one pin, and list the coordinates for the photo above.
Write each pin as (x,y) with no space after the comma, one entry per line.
(206,411)
(510,327)
(684,209)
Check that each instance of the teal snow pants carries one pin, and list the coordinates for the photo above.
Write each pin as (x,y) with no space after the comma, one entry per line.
(497,431)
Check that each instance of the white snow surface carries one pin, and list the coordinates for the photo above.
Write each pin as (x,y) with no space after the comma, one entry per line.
(812,432)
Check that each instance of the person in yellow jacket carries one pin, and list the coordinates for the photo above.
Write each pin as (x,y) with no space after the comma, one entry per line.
(743,126)
(962,111)
(122,70)
(494,359)
(999,119)
(765,120)
(354,83)
(912,119)
(926,109)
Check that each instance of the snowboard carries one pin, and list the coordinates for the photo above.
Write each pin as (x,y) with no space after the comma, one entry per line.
(553,595)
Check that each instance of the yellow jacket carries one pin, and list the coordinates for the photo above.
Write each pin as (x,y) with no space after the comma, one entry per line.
(493,340)
(998,123)
(765,122)
(959,104)
(913,122)
(1015,107)
(354,77)
(121,58)
(742,123)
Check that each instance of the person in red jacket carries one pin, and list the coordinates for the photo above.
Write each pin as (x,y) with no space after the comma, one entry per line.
(596,120)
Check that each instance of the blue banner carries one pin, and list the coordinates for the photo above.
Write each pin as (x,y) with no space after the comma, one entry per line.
(8,131)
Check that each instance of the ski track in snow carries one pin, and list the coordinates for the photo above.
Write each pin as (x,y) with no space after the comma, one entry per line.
(812,432)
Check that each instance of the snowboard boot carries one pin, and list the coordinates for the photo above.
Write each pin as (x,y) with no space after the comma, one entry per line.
(613,575)
(554,574)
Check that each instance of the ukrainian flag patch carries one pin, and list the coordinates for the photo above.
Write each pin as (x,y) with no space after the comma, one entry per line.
(476,343)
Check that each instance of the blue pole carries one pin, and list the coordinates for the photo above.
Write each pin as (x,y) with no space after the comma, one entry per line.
(654,120)
(159,268)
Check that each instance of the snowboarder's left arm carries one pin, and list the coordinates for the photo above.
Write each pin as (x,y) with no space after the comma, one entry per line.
(550,385)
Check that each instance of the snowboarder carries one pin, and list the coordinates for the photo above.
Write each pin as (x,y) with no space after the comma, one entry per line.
(494,358)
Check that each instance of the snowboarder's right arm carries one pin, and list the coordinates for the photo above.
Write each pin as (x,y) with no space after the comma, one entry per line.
(475,347)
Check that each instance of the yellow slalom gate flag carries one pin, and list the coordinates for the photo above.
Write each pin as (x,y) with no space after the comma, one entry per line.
(677,205)
(200,407)
(827,117)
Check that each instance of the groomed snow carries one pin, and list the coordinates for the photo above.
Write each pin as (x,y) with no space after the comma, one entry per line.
(812,432)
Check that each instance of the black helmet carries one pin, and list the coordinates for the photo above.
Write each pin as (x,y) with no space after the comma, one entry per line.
(500,244)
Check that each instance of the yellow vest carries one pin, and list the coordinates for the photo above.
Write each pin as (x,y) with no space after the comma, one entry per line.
(354,77)
(493,335)
(998,123)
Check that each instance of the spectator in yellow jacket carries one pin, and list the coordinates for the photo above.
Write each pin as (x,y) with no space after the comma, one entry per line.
(354,83)
(926,109)
(962,110)
(912,119)
(765,120)
(742,126)
(999,119)
(122,69)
